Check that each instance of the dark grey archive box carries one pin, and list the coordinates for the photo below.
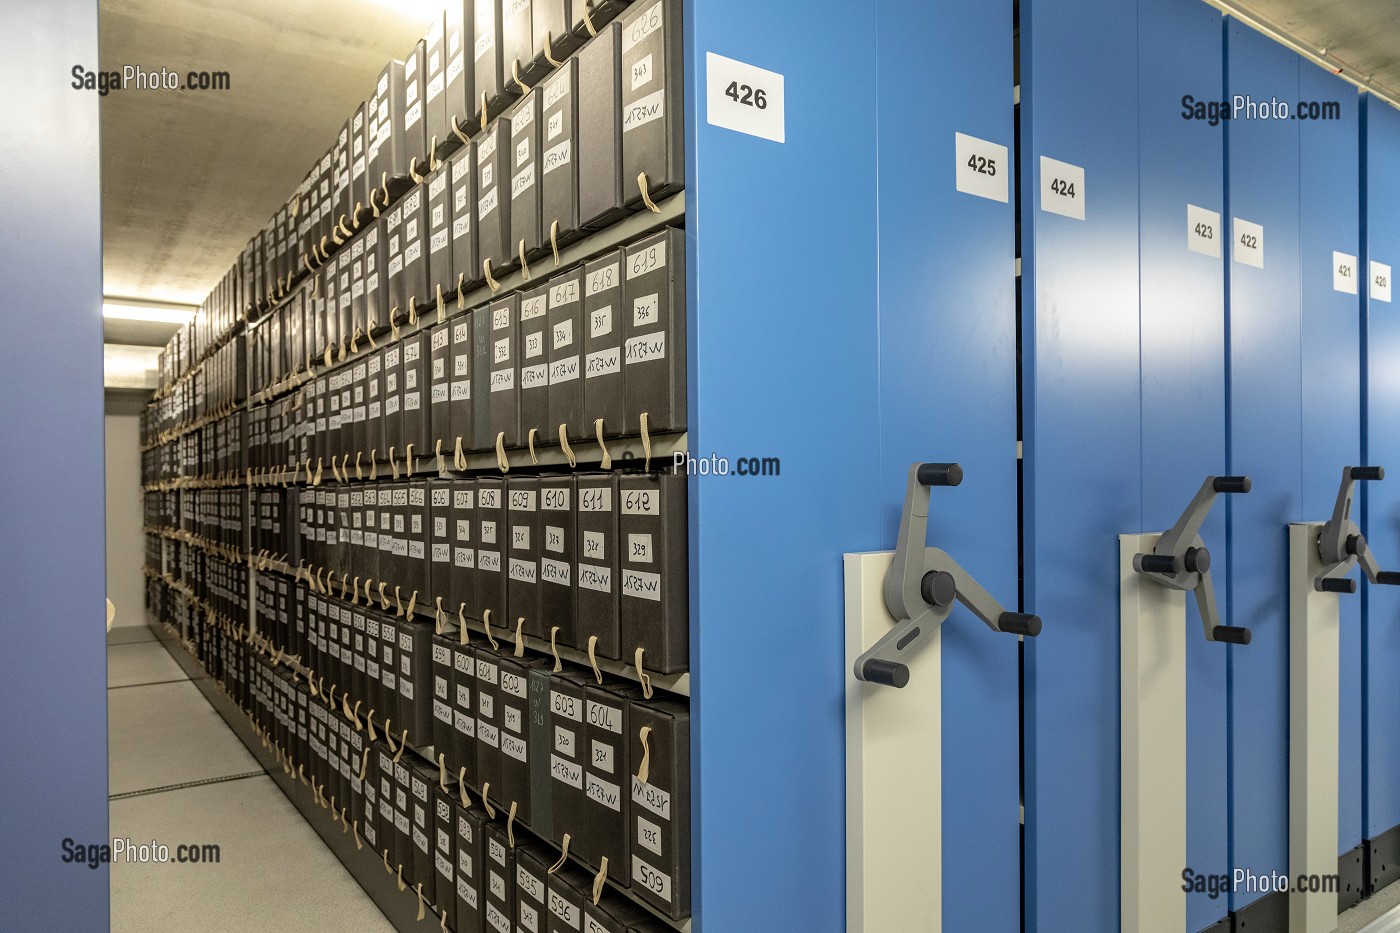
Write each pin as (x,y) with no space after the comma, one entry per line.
(417,571)
(514,699)
(566,758)
(442,278)
(373,446)
(525,237)
(415,142)
(459,422)
(606,777)
(466,268)
(344,192)
(388,706)
(391,422)
(554,31)
(493,202)
(598,613)
(499,881)
(558,141)
(441,577)
(359,404)
(360,127)
(565,340)
(435,84)
(569,890)
(532,367)
(504,348)
(415,254)
(654,567)
(358,307)
(558,544)
(660,833)
(483,435)
(522,555)
(602,324)
(440,387)
(612,914)
(444,686)
(486,698)
(653,100)
(654,350)
(389,516)
(376,318)
(459,103)
(347,411)
(490,66)
(415,427)
(361,691)
(467,843)
(395,296)
(416,682)
(532,863)
(541,784)
(517,34)
(367,561)
(422,823)
(388,163)
(463,711)
(344,297)
(461,531)
(492,538)
(444,854)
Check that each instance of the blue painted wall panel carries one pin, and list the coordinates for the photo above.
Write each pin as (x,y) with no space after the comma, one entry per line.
(947,327)
(53,668)
(781,242)
(1183,373)
(1329,221)
(1382,635)
(1083,446)
(1265,443)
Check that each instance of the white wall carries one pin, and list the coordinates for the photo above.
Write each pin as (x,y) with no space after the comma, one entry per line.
(125,543)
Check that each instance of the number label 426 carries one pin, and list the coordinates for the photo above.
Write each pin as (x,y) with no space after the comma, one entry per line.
(746,95)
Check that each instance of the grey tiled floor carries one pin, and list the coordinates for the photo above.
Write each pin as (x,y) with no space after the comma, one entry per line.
(273,872)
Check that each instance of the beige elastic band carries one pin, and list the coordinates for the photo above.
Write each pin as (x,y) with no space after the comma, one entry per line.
(369,333)
(646,193)
(442,772)
(554,241)
(344,225)
(510,824)
(398,602)
(564,445)
(607,457)
(355,339)
(335,470)
(358,455)
(554,647)
(369,721)
(644,769)
(369,596)
(642,674)
(441,616)
(524,266)
(373,463)
(520,637)
(461,293)
(344,584)
(410,467)
(364,763)
(486,625)
(486,801)
(593,657)
(600,880)
(646,441)
(534,461)
(403,885)
(329,359)
(383,601)
(549,51)
(403,743)
(320,585)
(490,279)
(458,131)
(413,310)
(563,857)
(441,310)
(355,715)
(340,354)
(307,263)
(501,460)
(459,459)
(462,788)
(316,481)
(393,462)
(417,179)
(355,592)
(588,18)
(462,637)
(412,601)
(387,868)
(384,186)
(393,324)
(515,75)
(442,915)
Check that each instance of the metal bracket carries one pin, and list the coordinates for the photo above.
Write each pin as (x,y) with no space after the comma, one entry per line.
(1180,560)
(923,583)
(1341,544)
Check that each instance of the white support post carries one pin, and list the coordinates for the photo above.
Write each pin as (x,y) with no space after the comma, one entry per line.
(1153,763)
(894,773)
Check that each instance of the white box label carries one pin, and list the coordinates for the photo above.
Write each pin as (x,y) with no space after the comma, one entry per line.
(1202,231)
(741,97)
(1380,281)
(1344,273)
(1061,188)
(1249,243)
(983,168)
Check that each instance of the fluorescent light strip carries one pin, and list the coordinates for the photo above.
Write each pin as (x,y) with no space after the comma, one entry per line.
(120,312)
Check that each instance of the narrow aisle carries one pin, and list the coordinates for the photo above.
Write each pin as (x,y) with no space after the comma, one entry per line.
(180,777)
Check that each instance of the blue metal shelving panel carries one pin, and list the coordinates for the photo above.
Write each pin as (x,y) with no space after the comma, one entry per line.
(1382,636)
(1079,104)
(783,352)
(1329,221)
(1265,443)
(1183,370)
(947,342)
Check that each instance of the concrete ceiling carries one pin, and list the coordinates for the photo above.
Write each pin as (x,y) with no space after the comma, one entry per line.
(1363,39)
(189,176)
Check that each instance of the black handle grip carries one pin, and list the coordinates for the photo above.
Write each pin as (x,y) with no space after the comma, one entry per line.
(1019,623)
(1154,563)
(1231,634)
(940,474)
(1336,585)
(889,673)
(1232,484)
(1366,472)
(1388,578)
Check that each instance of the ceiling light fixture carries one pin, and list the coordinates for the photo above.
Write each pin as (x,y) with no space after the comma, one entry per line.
(123,312)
